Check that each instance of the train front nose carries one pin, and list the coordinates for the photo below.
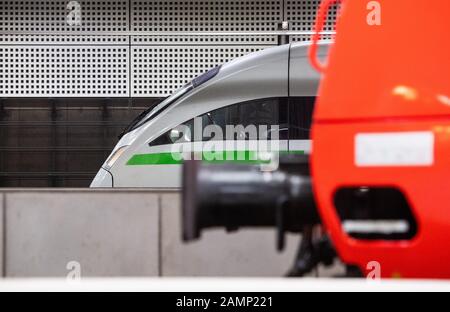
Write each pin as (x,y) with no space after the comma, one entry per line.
(103,179)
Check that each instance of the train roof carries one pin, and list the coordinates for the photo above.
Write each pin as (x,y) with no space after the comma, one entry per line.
(280,71)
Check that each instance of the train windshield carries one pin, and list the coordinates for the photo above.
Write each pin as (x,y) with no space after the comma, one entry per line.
(164,104)
(152,112)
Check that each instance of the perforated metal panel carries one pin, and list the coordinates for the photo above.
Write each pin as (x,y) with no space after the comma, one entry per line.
(95,65)
(51,15)
(204,40)
(207,15)
(171,67)
(67,71)
(63,40)
(169,62)
(302,16)
(63,66)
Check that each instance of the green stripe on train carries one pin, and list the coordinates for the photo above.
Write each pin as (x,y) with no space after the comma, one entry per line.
(247,157)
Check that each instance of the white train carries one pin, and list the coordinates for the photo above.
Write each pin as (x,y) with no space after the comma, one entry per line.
(275,88)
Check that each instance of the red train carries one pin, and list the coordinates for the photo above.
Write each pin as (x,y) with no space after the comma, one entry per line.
(381,136)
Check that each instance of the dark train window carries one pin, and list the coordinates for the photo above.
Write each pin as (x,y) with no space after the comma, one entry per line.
(300,117)
(268,112)
(262,112)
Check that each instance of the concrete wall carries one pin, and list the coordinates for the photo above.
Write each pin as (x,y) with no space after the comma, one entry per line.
(244,253)
(123,233)
(108,234)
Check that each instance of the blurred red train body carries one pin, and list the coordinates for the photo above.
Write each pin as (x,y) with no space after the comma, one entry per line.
(383,120)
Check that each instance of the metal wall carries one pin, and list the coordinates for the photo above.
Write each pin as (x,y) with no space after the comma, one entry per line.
(60,142)
(131,48)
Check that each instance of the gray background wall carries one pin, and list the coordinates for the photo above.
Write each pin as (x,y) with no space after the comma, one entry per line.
(60,142)
(127,48)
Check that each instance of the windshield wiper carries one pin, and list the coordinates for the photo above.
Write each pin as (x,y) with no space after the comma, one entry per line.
(135,121)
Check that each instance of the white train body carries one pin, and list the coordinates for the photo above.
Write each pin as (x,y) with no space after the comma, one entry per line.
(273,88)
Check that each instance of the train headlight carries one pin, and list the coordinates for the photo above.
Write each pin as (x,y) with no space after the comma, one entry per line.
(115,156)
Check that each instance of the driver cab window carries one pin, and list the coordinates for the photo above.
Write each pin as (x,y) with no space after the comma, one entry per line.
(262,112)
(300,117)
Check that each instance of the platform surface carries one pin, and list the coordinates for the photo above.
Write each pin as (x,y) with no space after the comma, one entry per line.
(223,285)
